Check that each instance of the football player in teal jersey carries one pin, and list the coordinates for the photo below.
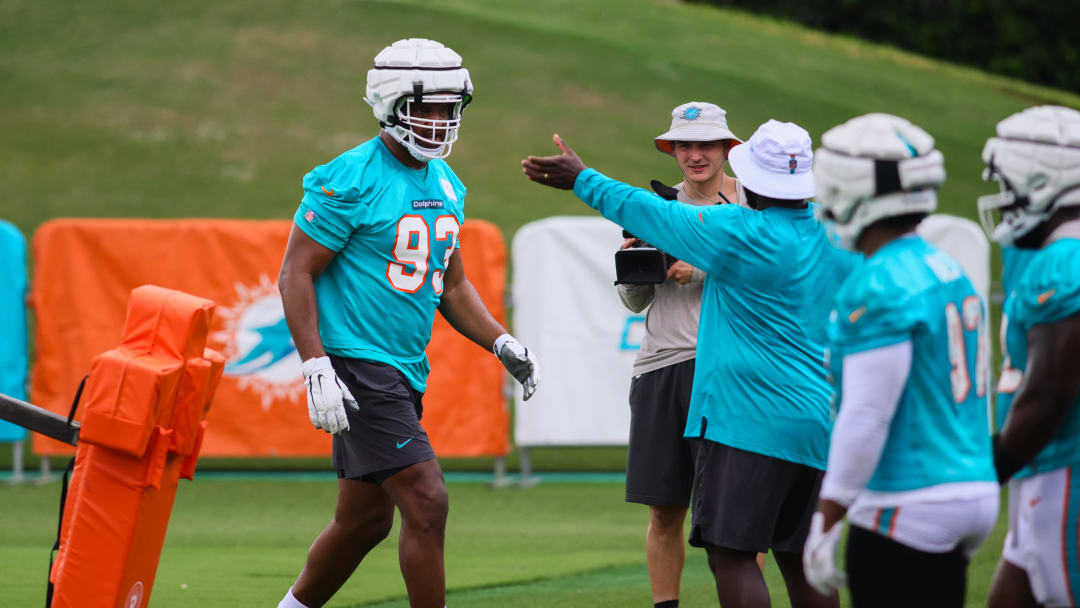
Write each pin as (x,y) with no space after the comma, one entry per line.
(759,409)
(909,459)
(372,254)
(1035,157)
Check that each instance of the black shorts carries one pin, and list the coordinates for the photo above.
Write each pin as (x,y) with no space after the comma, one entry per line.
(881,573)
(751,502)
(385,436)
(660,461)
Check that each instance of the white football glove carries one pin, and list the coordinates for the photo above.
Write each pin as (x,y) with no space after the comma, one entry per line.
(819,556)
(519,361)
(327,396)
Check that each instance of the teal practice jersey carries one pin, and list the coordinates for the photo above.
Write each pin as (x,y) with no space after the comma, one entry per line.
(1048,292)
(910,291)
(394,230)
(1014,261)
(771,276)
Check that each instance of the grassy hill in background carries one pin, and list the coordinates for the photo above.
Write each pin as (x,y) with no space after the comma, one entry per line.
(123,108)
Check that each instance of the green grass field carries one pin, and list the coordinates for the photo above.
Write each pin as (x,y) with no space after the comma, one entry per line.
(123,108)
(240,543)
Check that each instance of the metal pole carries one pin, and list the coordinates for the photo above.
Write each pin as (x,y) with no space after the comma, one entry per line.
(38,420)
(500,474)
(527,478)
(17,462)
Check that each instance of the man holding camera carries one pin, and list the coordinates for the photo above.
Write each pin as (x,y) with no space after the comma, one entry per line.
(660,461)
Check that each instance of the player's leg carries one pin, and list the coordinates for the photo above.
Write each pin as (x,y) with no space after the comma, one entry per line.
(665,551)
(739,583)
(420,494)
(386,444)
(792,526)
(363,517)
(660,469)
(738,497)
(1011,588)
(1040,562)
(884,573)
(800,593)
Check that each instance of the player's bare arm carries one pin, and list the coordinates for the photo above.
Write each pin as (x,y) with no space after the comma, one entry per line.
(462,307)
(327,396)
(1049,386)
(304,261)
(560,171)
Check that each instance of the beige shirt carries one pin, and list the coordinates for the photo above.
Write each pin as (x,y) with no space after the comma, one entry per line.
(671,323)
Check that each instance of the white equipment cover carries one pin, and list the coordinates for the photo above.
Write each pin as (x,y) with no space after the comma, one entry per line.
(966,242)
(567,310)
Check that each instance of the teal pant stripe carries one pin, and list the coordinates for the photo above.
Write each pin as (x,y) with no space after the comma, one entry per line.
(1070,531)
(885,521)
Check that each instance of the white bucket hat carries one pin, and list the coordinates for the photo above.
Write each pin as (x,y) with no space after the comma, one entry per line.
(695,121)
(776,162)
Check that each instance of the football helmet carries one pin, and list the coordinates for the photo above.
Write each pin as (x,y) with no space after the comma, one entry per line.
(873,167)
(415,71)
(1035,158)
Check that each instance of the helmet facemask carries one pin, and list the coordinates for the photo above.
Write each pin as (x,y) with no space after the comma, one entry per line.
(426,138)
(1006,216)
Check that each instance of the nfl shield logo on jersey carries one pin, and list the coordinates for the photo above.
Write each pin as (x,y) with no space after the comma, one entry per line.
(448,188)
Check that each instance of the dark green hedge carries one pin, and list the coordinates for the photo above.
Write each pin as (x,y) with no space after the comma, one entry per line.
(1034,40)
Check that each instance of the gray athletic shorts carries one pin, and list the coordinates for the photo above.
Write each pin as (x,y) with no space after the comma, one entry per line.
(385,436)
(660,461)
(751,502)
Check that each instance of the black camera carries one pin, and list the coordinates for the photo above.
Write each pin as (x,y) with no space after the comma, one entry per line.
(644,264)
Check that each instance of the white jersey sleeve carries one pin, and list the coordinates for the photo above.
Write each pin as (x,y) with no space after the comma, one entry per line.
(873,381)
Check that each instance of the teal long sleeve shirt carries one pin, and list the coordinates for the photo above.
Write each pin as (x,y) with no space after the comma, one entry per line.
(771,276)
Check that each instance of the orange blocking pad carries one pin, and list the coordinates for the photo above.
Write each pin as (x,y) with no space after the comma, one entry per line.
(144,405)
(84,270)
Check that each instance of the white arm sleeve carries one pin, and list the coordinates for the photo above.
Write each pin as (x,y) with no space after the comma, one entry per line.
(873,382)
(636,297)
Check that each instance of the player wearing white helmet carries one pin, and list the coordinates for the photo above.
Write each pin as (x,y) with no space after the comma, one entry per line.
(409,76)
(1035,157)
(373,253)
(909,458)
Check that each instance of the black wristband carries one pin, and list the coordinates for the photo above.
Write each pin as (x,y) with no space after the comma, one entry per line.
(1005,464)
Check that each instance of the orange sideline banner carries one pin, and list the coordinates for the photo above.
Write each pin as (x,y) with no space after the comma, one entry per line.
(84,270)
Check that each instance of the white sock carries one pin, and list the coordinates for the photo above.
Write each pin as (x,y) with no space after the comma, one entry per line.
(290,601)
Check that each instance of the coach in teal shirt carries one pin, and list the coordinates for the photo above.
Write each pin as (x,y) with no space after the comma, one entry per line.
(772,275)
(761,396)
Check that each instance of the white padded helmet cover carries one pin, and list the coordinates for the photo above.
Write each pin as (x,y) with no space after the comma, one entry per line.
(418,65)
(848,168)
